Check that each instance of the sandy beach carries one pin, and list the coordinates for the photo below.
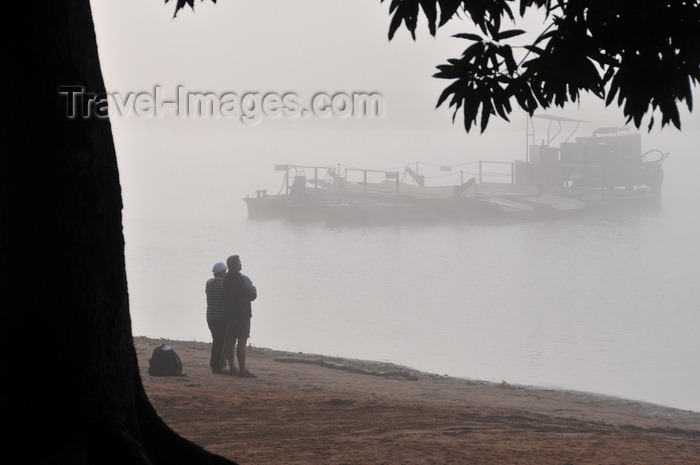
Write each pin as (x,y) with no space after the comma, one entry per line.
(310,409)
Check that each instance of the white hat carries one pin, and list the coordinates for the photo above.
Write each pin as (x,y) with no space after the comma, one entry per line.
(219,267)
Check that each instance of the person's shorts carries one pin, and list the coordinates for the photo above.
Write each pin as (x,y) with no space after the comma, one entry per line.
(238,327)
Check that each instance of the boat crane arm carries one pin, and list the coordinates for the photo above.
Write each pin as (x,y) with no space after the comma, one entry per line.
(420,180)
(459,190)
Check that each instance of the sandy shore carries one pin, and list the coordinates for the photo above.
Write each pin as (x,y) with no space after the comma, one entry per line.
(307,409)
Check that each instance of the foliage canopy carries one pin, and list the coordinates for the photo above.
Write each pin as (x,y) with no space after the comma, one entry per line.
(642,54)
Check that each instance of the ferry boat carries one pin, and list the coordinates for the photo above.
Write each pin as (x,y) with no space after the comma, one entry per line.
(605,168)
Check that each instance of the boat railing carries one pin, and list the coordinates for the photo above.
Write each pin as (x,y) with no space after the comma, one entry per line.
(300,171)
(496,175)
(373,181)
(388,175)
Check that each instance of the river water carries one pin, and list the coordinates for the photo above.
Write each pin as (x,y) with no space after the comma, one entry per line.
(606,303)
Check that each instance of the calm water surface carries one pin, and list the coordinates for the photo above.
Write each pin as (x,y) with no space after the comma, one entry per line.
(603,303)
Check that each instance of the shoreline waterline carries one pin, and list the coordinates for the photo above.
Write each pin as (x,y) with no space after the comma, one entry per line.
(389,366)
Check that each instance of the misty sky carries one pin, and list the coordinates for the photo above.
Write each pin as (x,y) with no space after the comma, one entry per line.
(303,47)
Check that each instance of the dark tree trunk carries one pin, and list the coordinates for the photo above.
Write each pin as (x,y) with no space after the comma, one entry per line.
(71,389)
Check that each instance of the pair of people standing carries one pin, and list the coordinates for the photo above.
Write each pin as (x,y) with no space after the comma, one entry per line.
(229,294)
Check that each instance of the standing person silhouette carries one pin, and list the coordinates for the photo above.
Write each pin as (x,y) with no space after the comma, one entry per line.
(239,292)
(216,317)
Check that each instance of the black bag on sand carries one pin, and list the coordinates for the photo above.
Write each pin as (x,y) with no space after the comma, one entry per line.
(164,362)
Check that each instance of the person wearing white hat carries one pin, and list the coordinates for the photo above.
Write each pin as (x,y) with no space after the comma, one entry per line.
(216,317)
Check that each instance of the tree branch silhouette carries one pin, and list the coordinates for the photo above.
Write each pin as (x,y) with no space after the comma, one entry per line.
(644,55)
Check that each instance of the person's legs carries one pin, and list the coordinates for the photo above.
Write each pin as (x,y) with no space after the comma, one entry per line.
(243,335)
(240,352)
(231,348)
(212,329)
(217,361)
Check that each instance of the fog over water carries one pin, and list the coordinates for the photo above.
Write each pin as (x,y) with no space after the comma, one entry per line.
(605,303)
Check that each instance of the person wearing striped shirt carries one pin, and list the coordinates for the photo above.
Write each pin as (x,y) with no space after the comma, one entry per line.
(216,317)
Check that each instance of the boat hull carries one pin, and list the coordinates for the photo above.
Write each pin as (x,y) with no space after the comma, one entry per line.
(380,209)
